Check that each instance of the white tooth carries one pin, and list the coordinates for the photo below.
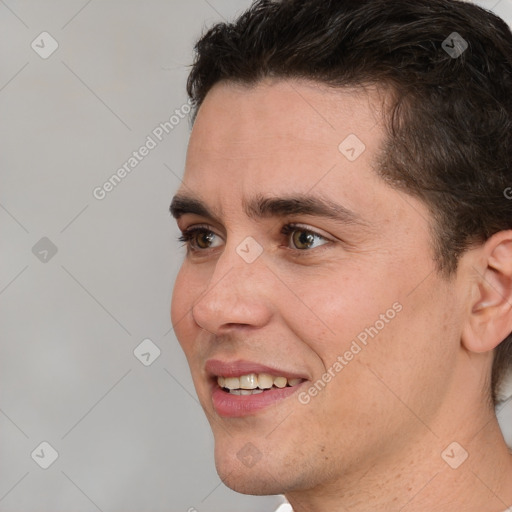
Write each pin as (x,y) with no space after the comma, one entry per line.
(246,392)
(294,382)
(257,391)
(265,381)
(249,381)
(232,382)
(280,382)
(221,381)
(235,391)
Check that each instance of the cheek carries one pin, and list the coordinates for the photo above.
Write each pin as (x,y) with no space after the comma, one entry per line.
(330,309)
(183,297)
(179,298)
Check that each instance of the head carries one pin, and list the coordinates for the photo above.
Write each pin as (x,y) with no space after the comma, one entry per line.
(345,202)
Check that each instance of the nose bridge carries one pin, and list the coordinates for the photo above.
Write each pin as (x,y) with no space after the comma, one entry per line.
(236,291)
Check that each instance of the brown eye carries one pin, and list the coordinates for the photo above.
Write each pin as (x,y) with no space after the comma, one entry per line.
(200,239)
(303,239)
(204,239)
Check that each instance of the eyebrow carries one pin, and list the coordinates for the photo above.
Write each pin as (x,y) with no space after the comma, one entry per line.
(181,205)
(315,206)
(265,207)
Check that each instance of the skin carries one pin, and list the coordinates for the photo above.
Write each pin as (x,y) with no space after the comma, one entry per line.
(373,437)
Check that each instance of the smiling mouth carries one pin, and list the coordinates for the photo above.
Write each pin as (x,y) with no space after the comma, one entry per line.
(255,383)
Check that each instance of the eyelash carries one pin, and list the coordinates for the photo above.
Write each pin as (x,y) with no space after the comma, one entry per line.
(187,235)
(287,230)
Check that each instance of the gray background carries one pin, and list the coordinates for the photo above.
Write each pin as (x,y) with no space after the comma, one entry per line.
(130,437)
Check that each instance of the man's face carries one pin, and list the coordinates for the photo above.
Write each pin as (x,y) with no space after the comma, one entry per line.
(334,284)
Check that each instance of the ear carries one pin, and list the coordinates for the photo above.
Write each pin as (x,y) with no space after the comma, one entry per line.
(490,319)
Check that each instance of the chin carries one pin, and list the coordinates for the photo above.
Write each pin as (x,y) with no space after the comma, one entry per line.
(244,469)
(247,471)
(256,482)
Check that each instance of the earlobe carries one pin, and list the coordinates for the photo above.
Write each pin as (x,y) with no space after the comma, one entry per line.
(490,319)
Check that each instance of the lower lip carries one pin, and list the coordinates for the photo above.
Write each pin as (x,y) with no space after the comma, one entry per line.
(236,406)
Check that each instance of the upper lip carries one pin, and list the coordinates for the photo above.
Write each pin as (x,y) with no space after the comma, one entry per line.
(218,368)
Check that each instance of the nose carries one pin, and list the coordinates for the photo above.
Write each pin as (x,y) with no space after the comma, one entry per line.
(237,295)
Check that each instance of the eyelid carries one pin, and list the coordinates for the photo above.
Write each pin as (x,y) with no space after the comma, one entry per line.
(294,226)
(200,227)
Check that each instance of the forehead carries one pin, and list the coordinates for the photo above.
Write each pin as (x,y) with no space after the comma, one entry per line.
(283,114)
(284,136)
